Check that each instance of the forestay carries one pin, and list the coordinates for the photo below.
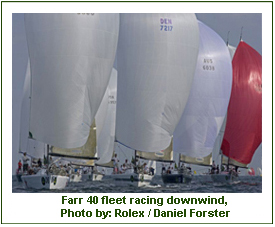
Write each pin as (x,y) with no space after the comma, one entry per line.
(25,111)
(156,62)
(207,104)
(71,58)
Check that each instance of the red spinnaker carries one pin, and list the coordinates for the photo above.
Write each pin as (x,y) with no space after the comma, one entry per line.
(243,132)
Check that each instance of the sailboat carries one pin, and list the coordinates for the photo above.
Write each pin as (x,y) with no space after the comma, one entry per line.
(243,132)
(156,62)
(169,175)
(71,58)
(33,148)
(202,119)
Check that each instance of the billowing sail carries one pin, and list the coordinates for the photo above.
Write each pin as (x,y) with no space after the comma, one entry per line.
(216,153)
(156,61)
(87,151)
(101,139)
(205,111)
(20,70)
(162,156)
(25,110)
(71,58)
(205,161)
(33,148)
(106,137)
(243,132)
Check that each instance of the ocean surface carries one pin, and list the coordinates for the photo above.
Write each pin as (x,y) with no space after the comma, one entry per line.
(199,184)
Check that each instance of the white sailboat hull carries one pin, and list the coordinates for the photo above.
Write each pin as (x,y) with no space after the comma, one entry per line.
(75,178)
(224,177)
(45,181)
(133,179)
(92,177)
(86,177)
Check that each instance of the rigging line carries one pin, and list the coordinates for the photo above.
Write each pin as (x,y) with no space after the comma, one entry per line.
(122,151)
(241,34)
(227,38)
(22,152)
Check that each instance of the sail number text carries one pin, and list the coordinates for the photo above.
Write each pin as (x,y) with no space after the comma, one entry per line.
(112,99)
(166,24)
(208,64)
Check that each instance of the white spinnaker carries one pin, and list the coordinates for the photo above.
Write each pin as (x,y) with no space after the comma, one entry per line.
(25,111)
(101,132)
(156,60)
(71,58)
(106,136)
(34,148)
(206,108)
(216,153)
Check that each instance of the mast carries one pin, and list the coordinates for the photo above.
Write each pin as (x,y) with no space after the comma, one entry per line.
(47,152)
(227,38)
(241,34)
(221,158)
(135,168)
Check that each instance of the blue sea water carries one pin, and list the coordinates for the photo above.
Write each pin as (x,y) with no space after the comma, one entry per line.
(199,184)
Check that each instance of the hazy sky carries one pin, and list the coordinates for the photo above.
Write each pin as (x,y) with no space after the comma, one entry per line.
(221,23)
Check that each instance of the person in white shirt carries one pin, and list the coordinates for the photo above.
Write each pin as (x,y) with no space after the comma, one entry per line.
(115,163)
(127,164)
